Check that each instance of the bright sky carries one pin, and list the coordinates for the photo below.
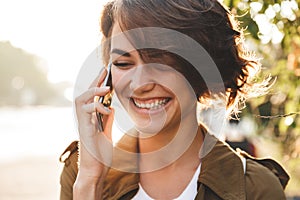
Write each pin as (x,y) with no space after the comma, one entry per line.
(63,32)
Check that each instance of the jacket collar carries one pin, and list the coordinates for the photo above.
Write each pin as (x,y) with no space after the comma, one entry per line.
(221,170)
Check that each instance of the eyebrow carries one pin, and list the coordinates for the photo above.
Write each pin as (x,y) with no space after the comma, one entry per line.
(121,52)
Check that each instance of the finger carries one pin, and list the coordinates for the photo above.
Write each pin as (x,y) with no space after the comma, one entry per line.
(99,79)
(108,121)
(90,94)
(96,106)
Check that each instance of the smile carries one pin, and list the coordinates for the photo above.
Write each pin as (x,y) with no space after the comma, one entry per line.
(150,104)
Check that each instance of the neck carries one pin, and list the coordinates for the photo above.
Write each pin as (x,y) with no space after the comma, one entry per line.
(172,147)
(171,177)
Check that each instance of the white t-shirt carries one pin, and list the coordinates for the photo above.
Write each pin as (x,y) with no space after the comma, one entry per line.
(190,191)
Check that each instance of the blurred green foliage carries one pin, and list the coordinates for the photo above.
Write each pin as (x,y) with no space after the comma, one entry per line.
(272,28)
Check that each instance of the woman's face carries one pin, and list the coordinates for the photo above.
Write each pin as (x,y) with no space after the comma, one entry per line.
(157,97)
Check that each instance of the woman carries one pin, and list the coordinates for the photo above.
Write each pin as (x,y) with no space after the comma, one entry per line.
(168,57)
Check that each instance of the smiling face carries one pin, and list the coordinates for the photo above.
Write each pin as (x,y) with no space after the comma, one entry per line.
(155,95)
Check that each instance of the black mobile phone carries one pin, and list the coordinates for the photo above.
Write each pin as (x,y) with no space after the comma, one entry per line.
(105,100)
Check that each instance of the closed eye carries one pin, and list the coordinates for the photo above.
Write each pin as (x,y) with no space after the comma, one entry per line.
(122,64)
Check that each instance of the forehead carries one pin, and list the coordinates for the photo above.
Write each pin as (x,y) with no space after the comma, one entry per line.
(119,39)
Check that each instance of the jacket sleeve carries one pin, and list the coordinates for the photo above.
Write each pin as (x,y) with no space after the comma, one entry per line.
(69,172)
(263,183)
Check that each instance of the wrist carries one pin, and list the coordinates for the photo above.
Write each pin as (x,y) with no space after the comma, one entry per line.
(87,187)
(88,176)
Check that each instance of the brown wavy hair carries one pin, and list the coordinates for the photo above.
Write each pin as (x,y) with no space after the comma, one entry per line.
(206,21)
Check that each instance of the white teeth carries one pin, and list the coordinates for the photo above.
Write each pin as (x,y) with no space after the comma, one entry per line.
(154,105)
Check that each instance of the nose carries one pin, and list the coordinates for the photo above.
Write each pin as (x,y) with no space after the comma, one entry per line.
(142,79)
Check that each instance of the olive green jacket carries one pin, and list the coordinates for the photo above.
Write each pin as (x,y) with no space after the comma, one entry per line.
(222,177)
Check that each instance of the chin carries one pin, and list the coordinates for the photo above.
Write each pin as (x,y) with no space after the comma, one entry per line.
(150,127)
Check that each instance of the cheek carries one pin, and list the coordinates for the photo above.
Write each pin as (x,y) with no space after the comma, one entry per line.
(185,94)
(120,80)
(116,76)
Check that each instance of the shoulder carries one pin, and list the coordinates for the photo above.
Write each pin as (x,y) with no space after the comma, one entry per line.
(261,179)
(265,179)
(69,173)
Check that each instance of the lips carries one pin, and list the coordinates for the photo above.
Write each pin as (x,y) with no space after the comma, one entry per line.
(150,104)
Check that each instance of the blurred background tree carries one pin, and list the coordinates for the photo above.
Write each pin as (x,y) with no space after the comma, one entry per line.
(272,30)
(24,79)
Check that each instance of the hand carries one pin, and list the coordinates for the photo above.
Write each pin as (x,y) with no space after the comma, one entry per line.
(95,147)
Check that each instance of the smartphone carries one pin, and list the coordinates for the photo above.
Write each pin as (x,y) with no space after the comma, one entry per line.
(105,100)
